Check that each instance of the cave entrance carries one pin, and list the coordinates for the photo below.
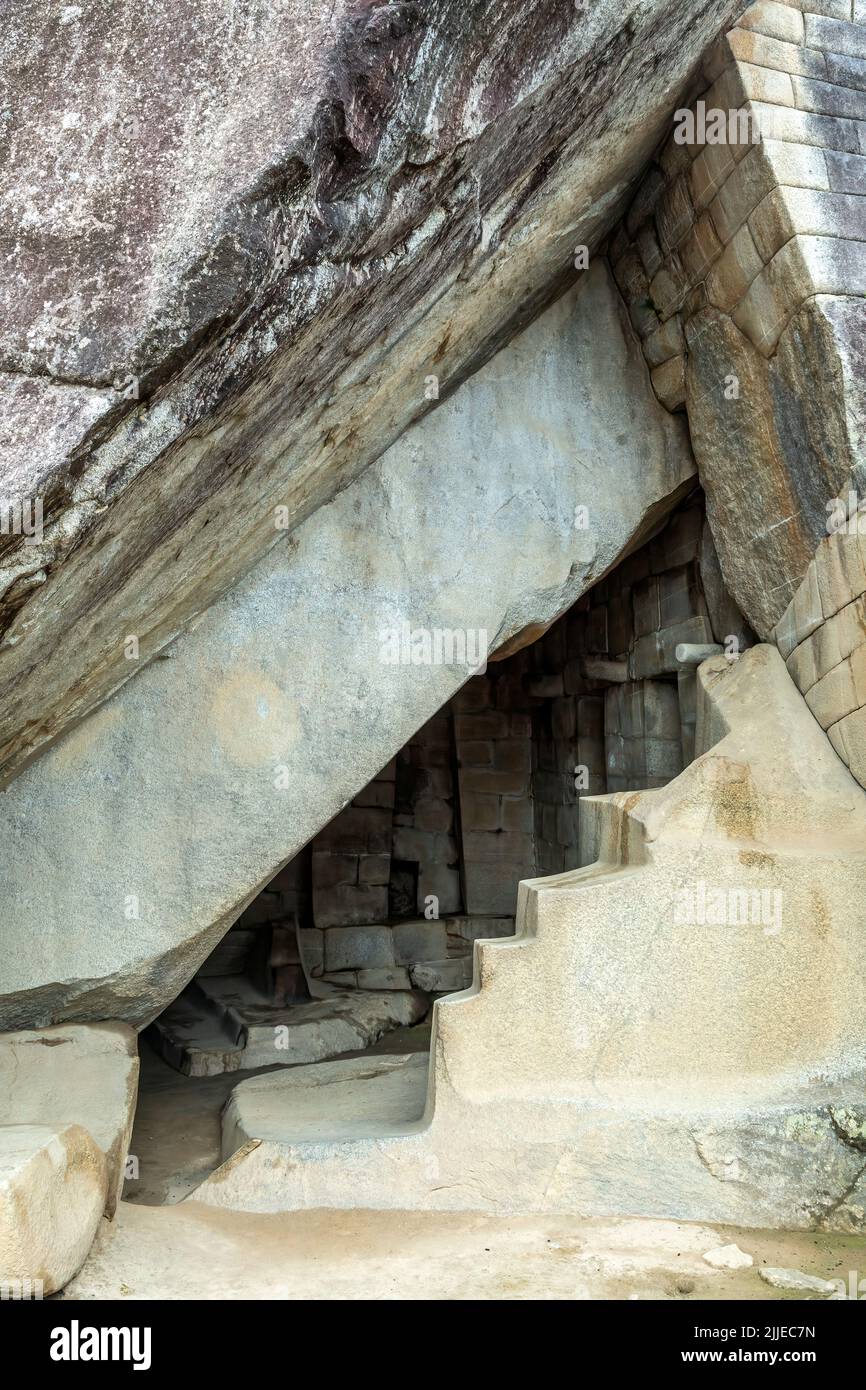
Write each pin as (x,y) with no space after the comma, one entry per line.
(349,944)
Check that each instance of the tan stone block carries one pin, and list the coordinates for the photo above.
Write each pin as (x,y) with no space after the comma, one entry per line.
(852,731)
(766,52)
(630,276)
(669,287)
(470,727)
(789,212)
(826,99)
(710,171)
(763,84)
(669,382)
(785,632)
(850,626)
(676,159)
(648,249)
(778,21)
(700,248)
(835,695)
(846,172)
(493,783)
(857,661)
(834,34)
(826,646)
(750,182)
(732,274)
(805,127)
(803,666)
(805,266)
(834,734)
(841,571)
(650,189)
(517,815)
(667,341)
(808,614)
(835,9)
(674,214)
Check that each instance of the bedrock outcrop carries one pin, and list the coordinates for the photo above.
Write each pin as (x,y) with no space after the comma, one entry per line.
(151,825)
(239,245)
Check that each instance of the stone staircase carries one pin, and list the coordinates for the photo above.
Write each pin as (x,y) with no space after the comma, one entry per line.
(629,1049)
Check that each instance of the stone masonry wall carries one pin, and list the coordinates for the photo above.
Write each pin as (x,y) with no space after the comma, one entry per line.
(743,266)
(822,636)
(493,732)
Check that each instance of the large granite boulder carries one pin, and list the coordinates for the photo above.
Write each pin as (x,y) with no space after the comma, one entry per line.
(239,244)
(151,825)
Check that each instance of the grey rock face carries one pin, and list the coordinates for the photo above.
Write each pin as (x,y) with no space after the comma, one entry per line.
(150,826)
(236,248)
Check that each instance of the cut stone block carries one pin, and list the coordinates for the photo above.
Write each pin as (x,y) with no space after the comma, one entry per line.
(778,21)
(358,948)
(788,212)
(434,976)
(840,571)
(53,1190)
(75,1074)
(418,941)
(393,978)
(235,1028)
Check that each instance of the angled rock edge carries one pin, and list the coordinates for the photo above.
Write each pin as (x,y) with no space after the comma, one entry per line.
(215,767)
(367,195)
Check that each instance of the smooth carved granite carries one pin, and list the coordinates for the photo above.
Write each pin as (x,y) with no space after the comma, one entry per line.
(744,265)
(822,636)
(152,825)
(655,1038)
(81,1074)
(53,1186)
(273,231)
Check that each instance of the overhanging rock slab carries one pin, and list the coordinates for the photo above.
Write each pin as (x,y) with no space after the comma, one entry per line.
(154,822)
(207,316)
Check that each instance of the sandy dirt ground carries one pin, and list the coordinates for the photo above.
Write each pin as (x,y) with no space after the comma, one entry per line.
(195,1252)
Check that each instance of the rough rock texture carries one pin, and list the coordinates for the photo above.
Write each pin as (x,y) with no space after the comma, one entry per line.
(273,225)
(624,1052)
(152,824)
(744,266)
(81,1074)
(53,1186)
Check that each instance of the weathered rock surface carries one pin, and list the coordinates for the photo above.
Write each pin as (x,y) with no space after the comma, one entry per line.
(152,824)
(637,1046)
(53,1186)
(83,1075)
(797,1281)
(237,248)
